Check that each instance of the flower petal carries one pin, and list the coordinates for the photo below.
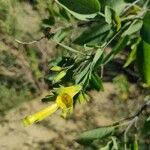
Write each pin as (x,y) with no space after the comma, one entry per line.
(64,101)
(66,113)
(71,90)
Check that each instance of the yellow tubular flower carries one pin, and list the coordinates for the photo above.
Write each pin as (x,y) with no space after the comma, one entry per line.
(64,101)
(40,115)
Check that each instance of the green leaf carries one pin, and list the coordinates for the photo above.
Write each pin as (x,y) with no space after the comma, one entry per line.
(83,73)
(82,6)
(131,57)
(119,46)
(81,98)
(96,82)
(95,134)
(145,31)
(134,27)
(117,21)
(96,58)
(112,18)
(92,33)
(143,61)
(84,17)
(116,5)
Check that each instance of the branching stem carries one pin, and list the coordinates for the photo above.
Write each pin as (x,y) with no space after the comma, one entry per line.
(137,114)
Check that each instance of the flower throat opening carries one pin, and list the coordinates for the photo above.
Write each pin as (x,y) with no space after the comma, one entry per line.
(67,100)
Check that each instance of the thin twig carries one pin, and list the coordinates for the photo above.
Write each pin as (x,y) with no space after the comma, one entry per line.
(137,114)
(29,43)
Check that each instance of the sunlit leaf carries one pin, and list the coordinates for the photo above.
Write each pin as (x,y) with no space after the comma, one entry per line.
(107,146)
(115,145)
(112,18)
(148,119)
(135,145)
(69,48)
(131,57)
(108,15)
(96,58)
(134,27)
(83,73)
(116,5)
(83,97)
(59,76)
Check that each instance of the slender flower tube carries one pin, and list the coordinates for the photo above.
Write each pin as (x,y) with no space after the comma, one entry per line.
(64,101)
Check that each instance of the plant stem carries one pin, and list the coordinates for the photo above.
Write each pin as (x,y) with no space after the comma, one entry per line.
(127,8)
(137,114)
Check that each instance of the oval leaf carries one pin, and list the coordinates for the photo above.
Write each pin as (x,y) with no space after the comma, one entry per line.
(99,133)
(116,5)
(82,6)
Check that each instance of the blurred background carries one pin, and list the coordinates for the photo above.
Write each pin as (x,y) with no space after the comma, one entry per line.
(22,67)
(22,85)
